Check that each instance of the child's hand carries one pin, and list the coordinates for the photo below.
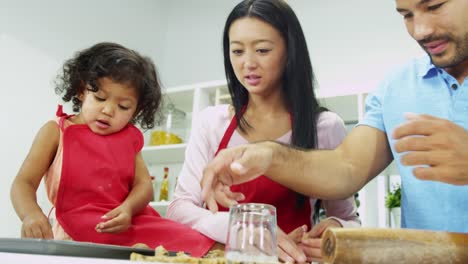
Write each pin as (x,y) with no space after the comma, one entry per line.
(312,240)
(116,221)
(36,225)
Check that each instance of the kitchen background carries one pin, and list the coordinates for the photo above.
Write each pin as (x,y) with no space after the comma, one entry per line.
(353,44)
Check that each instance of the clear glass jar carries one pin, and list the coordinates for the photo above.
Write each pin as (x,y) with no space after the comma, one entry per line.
(171,127)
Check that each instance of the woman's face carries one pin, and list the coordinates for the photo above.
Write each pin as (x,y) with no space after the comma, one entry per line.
(258,55)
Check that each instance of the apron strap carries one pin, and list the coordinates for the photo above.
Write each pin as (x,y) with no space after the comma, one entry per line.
(61,117)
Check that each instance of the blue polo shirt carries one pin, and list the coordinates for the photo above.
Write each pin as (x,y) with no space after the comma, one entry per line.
(421,87)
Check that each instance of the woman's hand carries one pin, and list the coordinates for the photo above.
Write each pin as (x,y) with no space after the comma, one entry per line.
(288,250)
(116,221)
(36,225)
(311,241)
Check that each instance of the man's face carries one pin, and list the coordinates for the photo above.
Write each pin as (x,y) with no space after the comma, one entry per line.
(440,27)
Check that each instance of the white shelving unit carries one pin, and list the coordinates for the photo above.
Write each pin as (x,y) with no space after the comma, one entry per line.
(164,154)
(195,97)
(351,106)
(191,99)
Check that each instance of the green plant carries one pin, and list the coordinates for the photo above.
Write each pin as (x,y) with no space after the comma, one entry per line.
(393,199)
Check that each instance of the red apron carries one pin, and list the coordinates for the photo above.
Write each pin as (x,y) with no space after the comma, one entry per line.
(263,190)
(97,175)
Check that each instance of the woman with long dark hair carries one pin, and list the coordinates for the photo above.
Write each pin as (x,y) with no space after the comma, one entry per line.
(271,82)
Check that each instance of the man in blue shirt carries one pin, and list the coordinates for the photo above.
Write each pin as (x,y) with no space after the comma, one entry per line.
(418,116)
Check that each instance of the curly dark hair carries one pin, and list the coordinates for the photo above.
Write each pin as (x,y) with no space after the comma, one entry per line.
(121,65)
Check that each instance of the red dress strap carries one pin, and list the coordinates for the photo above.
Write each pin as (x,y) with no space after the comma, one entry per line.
(61,117)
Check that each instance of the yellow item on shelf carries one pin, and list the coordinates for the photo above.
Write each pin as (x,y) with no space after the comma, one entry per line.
(164,192)
(159,137)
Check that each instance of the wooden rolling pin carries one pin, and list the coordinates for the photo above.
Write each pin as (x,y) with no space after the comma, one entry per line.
(385,245)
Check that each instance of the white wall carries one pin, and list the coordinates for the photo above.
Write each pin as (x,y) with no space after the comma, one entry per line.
(35,38)
(193,45)
(352,43)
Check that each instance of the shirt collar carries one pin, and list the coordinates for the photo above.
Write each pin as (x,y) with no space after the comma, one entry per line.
(427,69)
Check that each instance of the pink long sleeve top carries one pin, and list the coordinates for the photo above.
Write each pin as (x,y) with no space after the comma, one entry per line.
(210,126)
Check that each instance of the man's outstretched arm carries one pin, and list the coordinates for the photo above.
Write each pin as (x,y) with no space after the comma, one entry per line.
(326,174)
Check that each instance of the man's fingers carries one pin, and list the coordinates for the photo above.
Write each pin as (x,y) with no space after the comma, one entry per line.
(414,116)
(420,127)
(247,165)
(433,158)
(424,173)
(222,197)
(412,144)
(208,190)
(438,173)
(236,196)
(207,183)
(210,203)
(238,168)
(216,172)
(220,193)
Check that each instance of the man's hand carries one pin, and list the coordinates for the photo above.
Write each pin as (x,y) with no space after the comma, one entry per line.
(233,166)
(440,145)
(116,221)
(36,225)
(311,241)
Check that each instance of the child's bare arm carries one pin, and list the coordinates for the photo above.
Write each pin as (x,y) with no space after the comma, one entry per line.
(142,189)
(24,187)
(119,219)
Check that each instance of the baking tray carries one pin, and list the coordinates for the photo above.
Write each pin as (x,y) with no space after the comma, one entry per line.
(69,248)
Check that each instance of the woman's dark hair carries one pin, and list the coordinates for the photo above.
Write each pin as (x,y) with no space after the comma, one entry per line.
(119,64)
(298,79)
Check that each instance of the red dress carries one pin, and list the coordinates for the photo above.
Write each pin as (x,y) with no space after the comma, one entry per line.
(289,215)
(97,175)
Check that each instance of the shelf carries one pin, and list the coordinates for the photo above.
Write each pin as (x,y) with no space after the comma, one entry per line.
(183,97)
(159,204)
(164,154)
(161,207)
